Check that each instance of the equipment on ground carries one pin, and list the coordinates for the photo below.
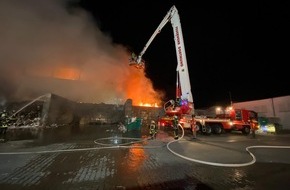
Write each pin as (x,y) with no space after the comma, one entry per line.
(133,123)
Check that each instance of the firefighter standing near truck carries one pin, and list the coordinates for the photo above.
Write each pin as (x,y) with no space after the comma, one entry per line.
(153,129)
(3,124)
(254,126)
(193,127)
(175,126)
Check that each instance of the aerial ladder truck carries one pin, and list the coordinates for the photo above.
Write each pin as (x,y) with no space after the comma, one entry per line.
(183,106)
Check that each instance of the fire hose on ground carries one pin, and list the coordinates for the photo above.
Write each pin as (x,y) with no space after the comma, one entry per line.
(135,143)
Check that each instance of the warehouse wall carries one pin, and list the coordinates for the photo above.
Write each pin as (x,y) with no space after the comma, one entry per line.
(276,109)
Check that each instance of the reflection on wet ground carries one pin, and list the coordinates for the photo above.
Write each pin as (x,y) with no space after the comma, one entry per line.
(102,157)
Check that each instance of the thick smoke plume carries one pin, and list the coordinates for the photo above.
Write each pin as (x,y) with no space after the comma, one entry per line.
(45,48)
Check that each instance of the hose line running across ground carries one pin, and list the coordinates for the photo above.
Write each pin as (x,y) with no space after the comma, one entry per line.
(221,164)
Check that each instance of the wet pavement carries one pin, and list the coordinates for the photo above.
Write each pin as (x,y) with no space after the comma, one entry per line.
(102,157)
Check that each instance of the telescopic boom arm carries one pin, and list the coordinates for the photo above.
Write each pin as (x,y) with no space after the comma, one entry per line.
(183,86)
(137,60)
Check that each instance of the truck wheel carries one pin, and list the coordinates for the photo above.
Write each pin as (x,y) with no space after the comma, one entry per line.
(208,130)
(246,130)
(217,129)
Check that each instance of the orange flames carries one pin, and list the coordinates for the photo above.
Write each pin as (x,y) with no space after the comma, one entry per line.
(140,90)
(148,104)
(135,86)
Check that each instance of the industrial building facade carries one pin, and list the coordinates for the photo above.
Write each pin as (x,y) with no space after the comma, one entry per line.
(277,109)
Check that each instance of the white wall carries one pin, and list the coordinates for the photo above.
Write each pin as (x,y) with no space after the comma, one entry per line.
(277,108)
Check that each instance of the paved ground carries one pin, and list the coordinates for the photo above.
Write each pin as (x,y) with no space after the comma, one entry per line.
(101,157)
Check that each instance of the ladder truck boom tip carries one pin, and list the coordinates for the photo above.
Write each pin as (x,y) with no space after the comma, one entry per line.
(136,61)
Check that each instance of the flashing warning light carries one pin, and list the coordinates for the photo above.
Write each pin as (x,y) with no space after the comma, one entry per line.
(184,102)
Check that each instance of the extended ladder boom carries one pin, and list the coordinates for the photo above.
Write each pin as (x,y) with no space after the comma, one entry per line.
(166,19)
(183,81)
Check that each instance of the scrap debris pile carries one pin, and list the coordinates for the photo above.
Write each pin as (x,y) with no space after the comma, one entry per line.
(28,117)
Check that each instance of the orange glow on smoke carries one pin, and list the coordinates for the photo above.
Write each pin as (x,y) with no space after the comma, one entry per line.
(68,73)
(133,85)
(136,86)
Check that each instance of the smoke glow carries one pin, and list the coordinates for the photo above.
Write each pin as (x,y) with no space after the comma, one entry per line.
(47,49)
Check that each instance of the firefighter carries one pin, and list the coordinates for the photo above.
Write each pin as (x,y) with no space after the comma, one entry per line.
(175,126)
(153,129)
(133,58)
(3,124)
(254,126)
(193,127)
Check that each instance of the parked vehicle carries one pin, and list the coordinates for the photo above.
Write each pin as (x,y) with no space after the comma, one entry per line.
(229,120)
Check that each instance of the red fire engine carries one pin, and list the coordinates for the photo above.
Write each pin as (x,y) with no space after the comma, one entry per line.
(229,120)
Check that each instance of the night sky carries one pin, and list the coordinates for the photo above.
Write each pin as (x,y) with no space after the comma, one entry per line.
(235,51)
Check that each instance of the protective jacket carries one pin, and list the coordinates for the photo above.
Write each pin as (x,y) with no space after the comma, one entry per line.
(152,129)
